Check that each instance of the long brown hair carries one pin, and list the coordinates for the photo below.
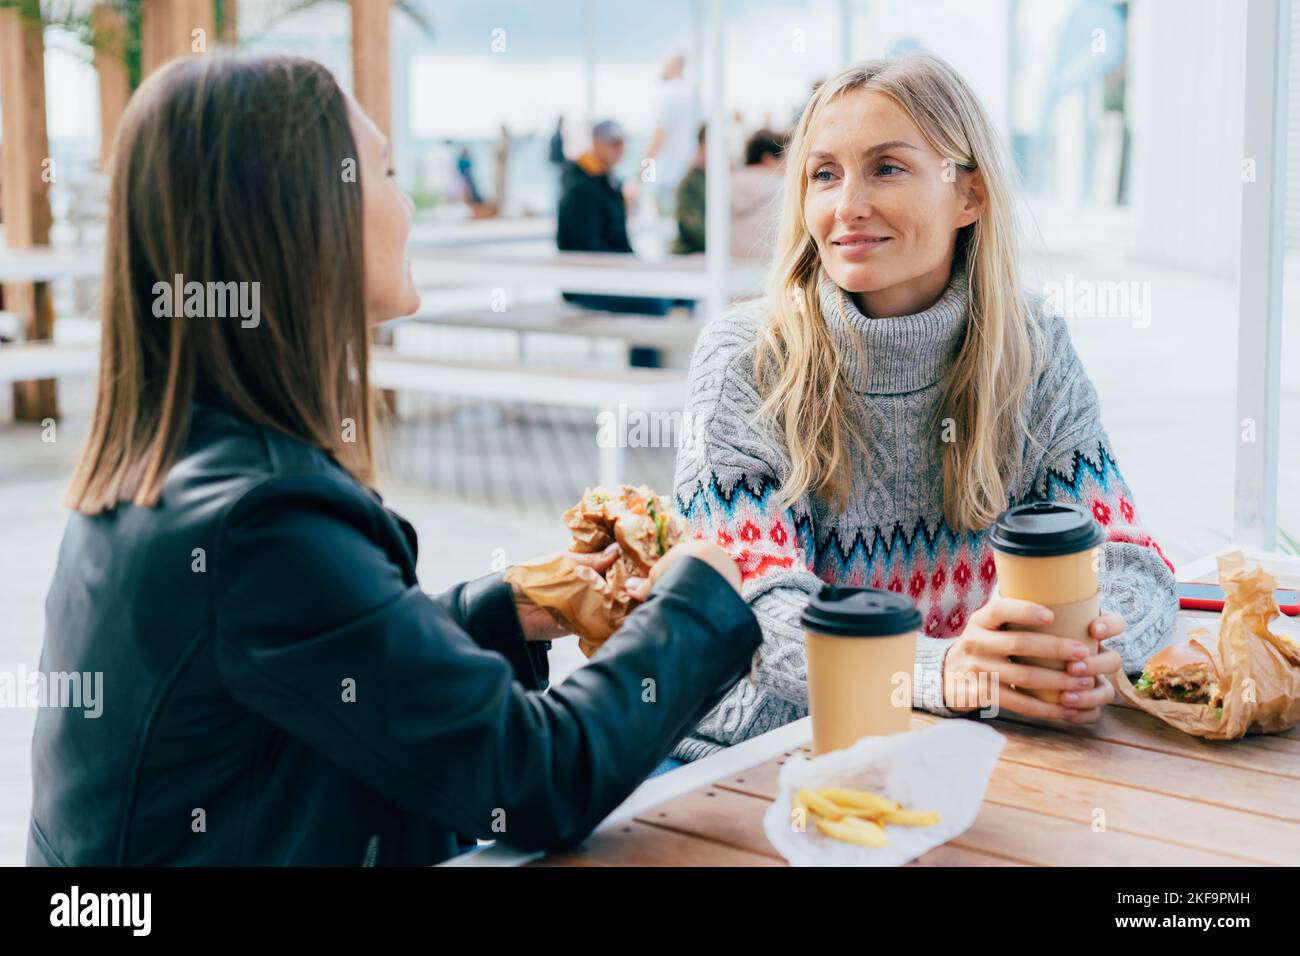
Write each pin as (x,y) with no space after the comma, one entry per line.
(230,168)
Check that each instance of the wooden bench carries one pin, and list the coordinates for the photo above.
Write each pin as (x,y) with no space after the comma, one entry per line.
(560,318)
(427,236)
(598,389)
(602,273)
(32,361)
(645,390)
(47,264)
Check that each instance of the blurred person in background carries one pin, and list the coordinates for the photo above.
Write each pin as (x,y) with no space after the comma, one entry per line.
(755,192)
(555,156)
(673,142)
(465,169)
(690,202)
(555,145)
(592,217)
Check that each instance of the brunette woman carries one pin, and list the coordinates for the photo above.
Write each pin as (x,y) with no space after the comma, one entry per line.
(277,688)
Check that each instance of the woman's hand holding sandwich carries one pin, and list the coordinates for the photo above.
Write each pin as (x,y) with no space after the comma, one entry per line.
(537,622)
(706,551)
(540,625)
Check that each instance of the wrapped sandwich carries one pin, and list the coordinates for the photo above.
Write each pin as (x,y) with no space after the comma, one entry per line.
(1244,680)
(591,605)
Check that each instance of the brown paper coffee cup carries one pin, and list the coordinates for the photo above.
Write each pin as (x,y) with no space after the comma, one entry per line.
(1049,553)
(1064,579)
(860,644)
(854,690)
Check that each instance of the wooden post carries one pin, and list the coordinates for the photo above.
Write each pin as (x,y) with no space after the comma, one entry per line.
(154,19)
(191,15)
(167,30)
(372,87)
(28,171)
(372,60)
(114,80)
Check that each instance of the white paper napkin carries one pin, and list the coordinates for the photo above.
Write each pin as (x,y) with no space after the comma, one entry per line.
(944,767)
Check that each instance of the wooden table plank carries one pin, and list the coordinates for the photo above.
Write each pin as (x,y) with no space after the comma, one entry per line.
(1250,790)
(736,818)
(1052,841)
(1170,819)
(760,781)
(1268,753)
(724,816)
(639,844)
(952,855)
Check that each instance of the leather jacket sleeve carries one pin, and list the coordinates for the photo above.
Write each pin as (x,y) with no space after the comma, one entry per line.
(319,630)
(485,608)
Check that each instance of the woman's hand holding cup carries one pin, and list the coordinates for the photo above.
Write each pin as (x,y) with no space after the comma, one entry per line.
(990,641)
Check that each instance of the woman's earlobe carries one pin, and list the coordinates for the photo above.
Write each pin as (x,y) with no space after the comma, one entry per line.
(976,196)
(978,187)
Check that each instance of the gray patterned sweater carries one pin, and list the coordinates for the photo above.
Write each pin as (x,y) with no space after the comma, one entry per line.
(893,534)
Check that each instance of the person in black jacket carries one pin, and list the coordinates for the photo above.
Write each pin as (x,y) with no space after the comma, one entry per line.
(593,214)
(592,217)
(276,686)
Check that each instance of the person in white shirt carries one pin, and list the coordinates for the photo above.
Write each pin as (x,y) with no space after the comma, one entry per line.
(677,123)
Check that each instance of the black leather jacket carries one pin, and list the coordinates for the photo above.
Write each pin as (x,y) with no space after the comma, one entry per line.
(277,689)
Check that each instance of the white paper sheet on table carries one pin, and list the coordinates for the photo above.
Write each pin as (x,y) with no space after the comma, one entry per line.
(945,767)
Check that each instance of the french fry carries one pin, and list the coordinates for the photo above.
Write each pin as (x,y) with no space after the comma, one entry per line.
(858,813)
(858,816)
(859,799)
(819,805)
(863,824)
(859,832)
(911,818)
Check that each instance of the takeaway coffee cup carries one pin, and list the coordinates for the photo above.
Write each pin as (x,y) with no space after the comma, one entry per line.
(858,640)
(1048,552)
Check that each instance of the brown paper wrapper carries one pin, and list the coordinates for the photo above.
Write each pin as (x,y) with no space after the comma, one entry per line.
(588,535)
(1259,671)
(584,603)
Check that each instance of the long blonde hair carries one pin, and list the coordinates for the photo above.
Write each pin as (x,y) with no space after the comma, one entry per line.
(799,368)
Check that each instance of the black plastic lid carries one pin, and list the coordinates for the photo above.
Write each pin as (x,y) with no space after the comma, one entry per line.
(1045,529)
(860,612)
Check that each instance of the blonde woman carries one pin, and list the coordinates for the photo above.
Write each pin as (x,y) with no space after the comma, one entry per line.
(893,392)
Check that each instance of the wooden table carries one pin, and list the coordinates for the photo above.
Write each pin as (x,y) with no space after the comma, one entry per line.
(1167,798)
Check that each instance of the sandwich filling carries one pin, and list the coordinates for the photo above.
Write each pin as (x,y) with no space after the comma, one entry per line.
(1194,681)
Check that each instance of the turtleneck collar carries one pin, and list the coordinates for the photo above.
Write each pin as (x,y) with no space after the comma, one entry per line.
(903,353)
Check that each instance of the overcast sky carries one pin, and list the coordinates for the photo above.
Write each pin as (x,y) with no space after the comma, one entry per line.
(460,88)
